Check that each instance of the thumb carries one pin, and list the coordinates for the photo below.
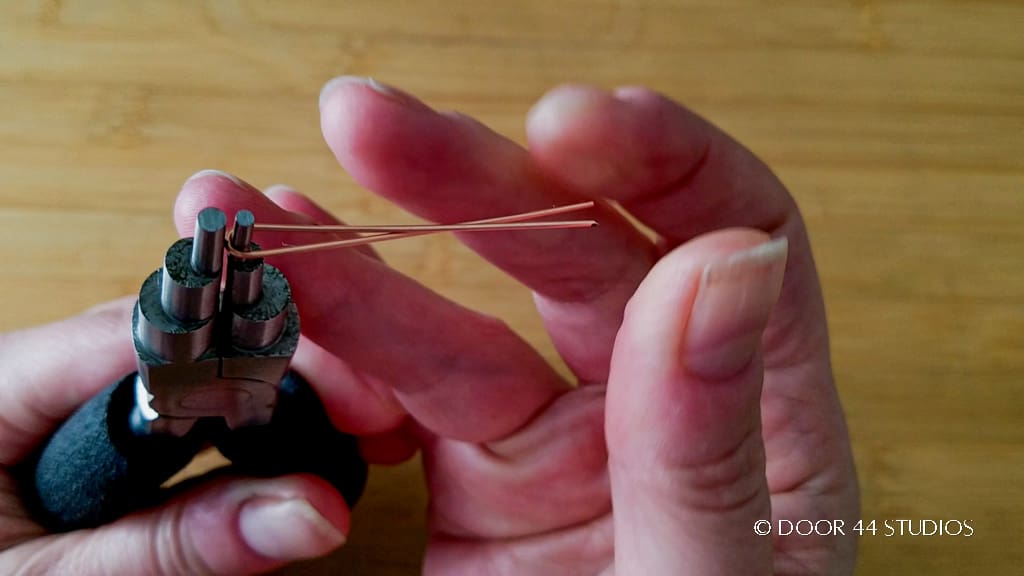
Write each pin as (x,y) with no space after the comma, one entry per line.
(683,418)
(239,526)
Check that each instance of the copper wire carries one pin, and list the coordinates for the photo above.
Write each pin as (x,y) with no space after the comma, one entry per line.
(394,232)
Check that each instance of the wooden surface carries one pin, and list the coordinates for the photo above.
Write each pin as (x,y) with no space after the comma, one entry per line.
(899,127)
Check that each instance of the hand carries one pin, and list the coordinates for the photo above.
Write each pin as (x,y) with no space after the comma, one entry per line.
(669,422)
(228,526)
(705,404)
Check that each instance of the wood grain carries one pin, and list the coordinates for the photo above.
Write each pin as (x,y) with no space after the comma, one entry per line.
(899,127)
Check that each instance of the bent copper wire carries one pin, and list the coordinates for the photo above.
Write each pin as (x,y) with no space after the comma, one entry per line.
(383,233)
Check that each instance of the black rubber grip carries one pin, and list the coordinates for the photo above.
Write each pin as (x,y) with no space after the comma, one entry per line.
(299,438)
(94,469)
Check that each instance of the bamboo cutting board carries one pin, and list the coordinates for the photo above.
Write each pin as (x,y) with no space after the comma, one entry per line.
(898,126)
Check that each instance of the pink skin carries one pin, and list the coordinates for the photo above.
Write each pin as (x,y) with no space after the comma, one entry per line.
(705,398)
(48,372)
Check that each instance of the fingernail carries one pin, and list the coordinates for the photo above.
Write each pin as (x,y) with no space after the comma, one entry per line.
(213,172)
(287,529)
(566,116)
(275,189)
(390,92)
(567,102)
(734,300)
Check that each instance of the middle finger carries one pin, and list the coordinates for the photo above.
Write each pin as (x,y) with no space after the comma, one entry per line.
(448,167)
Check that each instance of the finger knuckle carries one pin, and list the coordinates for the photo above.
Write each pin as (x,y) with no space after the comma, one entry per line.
(720,482)
(731,481)
(170,553)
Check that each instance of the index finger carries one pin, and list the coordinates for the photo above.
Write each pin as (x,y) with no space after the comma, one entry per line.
(459,373)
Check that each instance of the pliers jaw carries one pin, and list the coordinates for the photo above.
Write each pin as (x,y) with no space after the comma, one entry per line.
(207,354)
(213,369)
